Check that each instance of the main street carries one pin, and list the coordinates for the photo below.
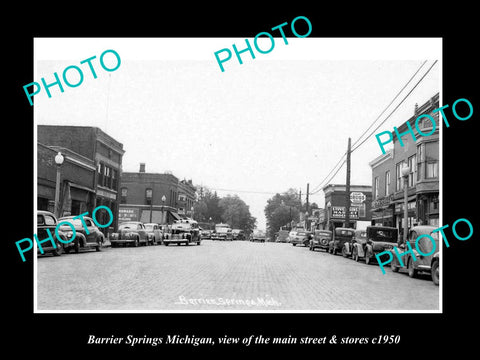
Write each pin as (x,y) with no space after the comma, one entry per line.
(223,276)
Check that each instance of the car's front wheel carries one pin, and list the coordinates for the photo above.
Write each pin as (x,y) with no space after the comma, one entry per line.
(412,272)
(435,273)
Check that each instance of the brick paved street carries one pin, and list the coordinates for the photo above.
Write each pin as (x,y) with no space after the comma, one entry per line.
(165,278)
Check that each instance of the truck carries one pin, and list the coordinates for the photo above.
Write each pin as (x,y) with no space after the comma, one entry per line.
(222,232)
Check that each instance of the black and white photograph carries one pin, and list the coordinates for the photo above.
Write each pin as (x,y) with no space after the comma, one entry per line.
(228,190)
(299,181)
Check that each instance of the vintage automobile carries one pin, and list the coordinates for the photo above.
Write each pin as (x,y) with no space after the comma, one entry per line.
(320,239)
(340,235)
(155,233)
(258,235)
(435,268)
(183,232)
(238,234)
(282,236)
(47,221)
(425,245)
(302,237)
(379,239)
(291,235)
(222,232)
(360,237)
(206,234)
(130,232)
(87,234)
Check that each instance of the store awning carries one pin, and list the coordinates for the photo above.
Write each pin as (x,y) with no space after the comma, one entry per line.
(175,215)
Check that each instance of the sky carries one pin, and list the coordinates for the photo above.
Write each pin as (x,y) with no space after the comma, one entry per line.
(278,121)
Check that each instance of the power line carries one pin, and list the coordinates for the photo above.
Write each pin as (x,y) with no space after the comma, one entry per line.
(396,107)
(391,102)
(318,187)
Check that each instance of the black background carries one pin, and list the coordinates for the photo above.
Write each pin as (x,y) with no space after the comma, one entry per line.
(59,335)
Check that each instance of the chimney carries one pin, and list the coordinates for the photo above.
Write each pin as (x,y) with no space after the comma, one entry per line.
(142,167)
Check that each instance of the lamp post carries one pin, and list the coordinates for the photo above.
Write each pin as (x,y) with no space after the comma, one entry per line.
(405,173)
(164,198)
(59,161)
(329,205)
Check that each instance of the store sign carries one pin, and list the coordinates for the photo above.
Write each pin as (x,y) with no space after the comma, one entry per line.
(339,212)
(385,201)
(357,197)
(127,214)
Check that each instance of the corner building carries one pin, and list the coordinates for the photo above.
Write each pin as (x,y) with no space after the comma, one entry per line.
(422,157)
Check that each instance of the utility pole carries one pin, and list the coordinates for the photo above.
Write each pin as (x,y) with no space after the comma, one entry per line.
(308,190)
(347,188)
(307,225)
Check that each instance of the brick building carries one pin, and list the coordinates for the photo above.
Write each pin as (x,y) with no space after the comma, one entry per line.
(422,157)
(154,197)
(335,204)
(97,147)
(77,181)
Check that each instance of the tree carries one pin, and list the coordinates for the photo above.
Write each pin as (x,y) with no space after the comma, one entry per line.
(236,213)
(281,209)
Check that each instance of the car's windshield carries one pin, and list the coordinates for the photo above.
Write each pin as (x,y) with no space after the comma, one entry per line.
(387,235)
(127,226)
(301,233)
(343,232)
(75,222)
(149,226)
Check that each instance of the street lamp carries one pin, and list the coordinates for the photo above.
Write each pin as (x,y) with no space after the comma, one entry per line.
(405,173)
(164,198)
(329,205)
(59,161)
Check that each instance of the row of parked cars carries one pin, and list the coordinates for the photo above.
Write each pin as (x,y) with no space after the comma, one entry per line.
(365,244)
(130,233)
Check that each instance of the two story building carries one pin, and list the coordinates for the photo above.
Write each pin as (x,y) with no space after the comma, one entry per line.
(422,158)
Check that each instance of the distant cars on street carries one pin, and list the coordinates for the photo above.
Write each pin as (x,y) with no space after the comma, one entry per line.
(258,235)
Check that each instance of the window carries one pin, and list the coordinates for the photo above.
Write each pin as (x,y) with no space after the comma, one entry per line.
(123,195)
(412,164)
(431,170)
(387,183)
(398,169)
(148,196)
(375,189)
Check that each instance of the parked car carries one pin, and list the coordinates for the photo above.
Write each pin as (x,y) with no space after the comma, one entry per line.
(302,237)
(206,234)
(131,232)
(222,232)
(155,233)
(425,245)
(435,265)
(358,246)
(183,232)
(282,236)
(87,234)
(379,239)
(47,221)
(320,239)
(340,235)
(258,235)
(238,234)
(291,235)
(359,237)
